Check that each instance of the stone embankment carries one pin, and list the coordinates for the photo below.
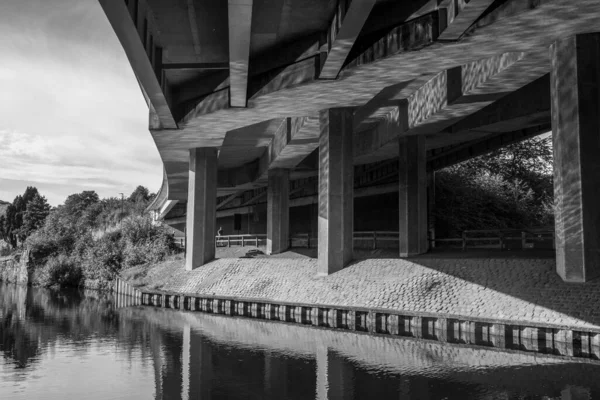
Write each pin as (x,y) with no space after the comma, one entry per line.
(15,269)
(514,304)
(502,289)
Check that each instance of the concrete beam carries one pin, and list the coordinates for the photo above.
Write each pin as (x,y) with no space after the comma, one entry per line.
(532,99)
(240,26)
(443,99)
(464,19)
(297,202)
(343,32)
(167,206)
(294,139)
(153,88)
(228,200)
(445,157)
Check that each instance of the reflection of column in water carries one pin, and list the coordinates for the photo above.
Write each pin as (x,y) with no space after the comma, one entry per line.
(185,363)
(200,367)
(276,377)
(21,301)
(404,388)
(575,393)
(334,376)
(158,362)
(419,388)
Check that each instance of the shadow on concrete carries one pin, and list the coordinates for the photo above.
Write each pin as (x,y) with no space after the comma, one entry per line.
(534,280)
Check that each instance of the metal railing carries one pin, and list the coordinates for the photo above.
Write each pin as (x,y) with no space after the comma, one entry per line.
(503,239)
(241,240)
(362,239)
(232,240)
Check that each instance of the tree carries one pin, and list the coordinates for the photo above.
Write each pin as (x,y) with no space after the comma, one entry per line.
(34,216)
(77,203)
(140,194)
(13,218)
(508,188)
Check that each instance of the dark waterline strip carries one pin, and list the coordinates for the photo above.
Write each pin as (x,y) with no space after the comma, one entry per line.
(551,341)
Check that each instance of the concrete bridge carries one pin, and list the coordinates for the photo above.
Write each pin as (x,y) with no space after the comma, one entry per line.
(268,98)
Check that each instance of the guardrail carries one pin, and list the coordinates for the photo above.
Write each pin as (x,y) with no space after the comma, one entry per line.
(241,240)
(362,239)
(503,239)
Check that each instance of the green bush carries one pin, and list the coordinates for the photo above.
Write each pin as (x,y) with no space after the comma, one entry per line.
(145,242)
(102,258)
(42,246)
(61,271)
(5,251)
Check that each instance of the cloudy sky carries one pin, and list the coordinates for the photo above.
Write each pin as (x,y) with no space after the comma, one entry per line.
(72,116)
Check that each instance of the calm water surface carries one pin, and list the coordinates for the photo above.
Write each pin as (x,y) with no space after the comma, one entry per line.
(71,345)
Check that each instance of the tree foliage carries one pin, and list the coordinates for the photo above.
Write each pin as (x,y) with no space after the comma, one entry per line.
(92,239)
(140,194)
(35,214)
(509,188)
(12,229)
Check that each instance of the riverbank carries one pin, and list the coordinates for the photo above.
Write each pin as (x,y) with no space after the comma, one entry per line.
(496,287)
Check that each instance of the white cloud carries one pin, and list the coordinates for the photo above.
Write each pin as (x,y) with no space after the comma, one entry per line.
(71,113)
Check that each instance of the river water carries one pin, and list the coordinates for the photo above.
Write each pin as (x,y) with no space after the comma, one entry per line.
(74,345)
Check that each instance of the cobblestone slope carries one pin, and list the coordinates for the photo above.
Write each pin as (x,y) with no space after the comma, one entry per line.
(512,289)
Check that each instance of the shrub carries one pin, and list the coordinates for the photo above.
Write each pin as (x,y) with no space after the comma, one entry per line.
(5,251)
(103,258)
(145,242)
(42,246)
(61,271)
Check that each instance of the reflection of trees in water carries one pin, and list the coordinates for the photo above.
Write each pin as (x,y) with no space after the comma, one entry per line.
(32,319)
(198,355)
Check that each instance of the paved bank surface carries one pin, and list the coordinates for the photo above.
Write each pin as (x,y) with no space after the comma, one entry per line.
(507,288)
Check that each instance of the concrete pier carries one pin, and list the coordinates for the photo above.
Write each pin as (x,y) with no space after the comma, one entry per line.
(412,196)
(575,91)
(201,207)
(278,215)
(336,186)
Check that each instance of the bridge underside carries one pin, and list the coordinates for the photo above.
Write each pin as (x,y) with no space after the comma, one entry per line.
(268,99)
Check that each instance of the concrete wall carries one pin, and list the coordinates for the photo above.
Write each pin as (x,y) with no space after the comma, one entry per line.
(371,213)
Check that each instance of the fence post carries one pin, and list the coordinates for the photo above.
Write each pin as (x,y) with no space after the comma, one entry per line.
(374,240)
(242,241)
(256,241)
(464,240)
(308,240)
(501,237)
(523,240)
(228,241)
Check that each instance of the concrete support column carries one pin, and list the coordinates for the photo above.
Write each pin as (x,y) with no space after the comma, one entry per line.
(201,207)
(278,211)
(575,91)
(412,196)
(431,208)
(336,186)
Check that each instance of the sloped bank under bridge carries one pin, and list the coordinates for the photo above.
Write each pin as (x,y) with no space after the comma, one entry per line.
(497,287)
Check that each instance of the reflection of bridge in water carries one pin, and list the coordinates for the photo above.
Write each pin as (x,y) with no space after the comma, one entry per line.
(285,360)
(210,356)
